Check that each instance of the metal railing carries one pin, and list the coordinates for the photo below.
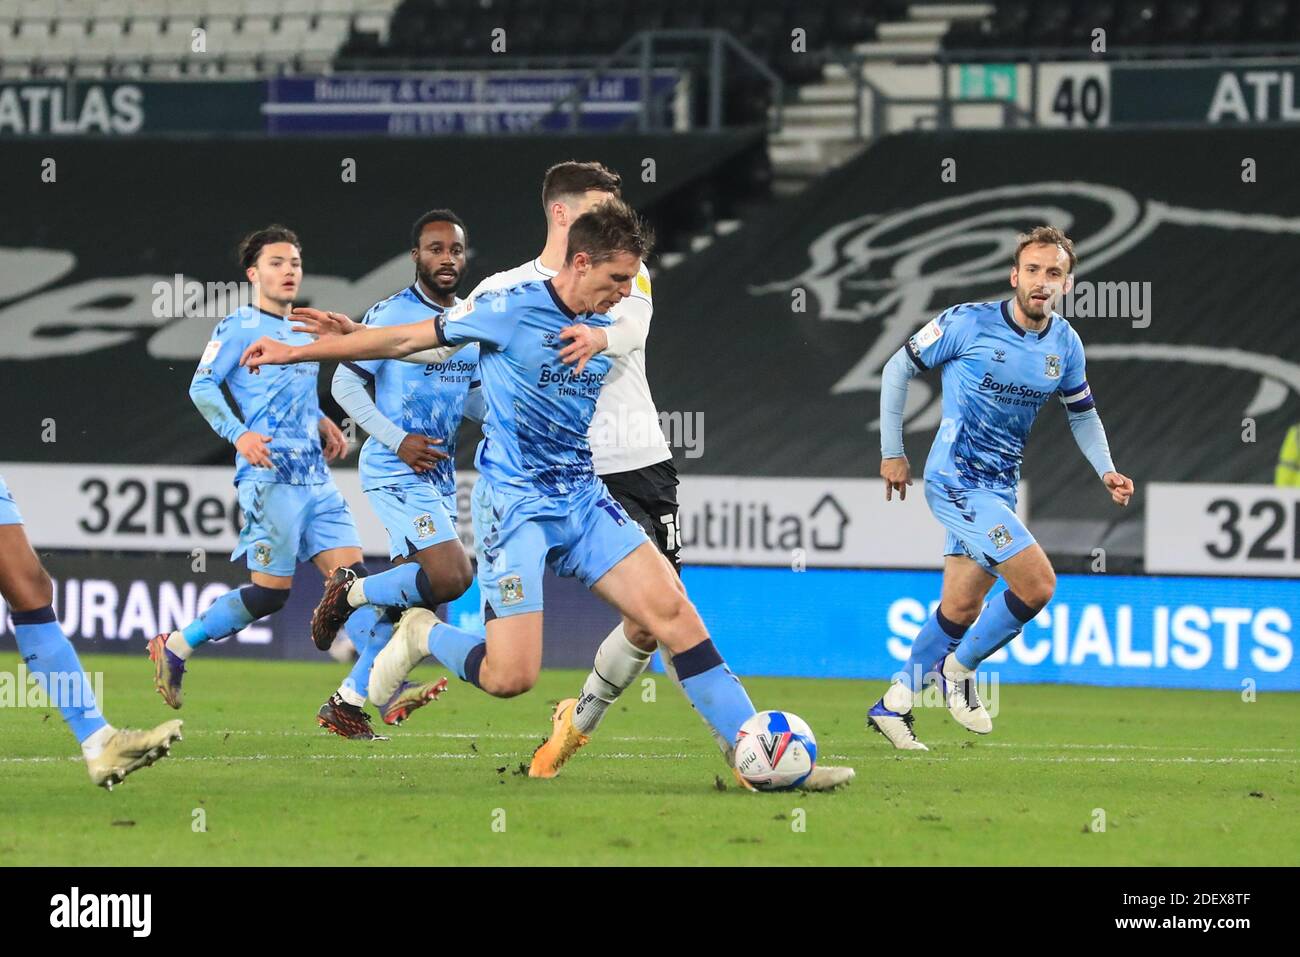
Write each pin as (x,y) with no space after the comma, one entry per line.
(882,102)
(645,49)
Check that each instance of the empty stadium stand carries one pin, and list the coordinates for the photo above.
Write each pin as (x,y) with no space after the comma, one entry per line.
(1152,26)
(156,37)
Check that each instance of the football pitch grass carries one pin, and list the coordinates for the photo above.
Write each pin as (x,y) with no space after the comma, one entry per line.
(1181,777)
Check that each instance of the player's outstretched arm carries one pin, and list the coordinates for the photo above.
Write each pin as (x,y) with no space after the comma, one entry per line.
(894,467)
(385,342)
(318,322)
(438,354)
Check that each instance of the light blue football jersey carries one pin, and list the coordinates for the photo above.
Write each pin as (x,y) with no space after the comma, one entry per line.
(538,408)
(996,376)
(423,399)
(280,402)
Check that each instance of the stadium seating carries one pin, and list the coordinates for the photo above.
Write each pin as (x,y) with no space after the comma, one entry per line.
(156,37)
(266,36)
(269,36)
(1141,27)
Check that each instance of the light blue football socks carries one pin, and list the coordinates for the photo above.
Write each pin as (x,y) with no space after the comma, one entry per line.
(937,637)
(1001,621)
(369,629)
(49,656)
(716,693)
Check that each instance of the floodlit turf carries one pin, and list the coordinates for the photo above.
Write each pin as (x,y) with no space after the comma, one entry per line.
(1182,777)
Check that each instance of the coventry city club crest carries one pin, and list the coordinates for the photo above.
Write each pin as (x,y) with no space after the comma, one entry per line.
(1053,367)
(262,554)
(1000,536)
(423,525)
(512,590)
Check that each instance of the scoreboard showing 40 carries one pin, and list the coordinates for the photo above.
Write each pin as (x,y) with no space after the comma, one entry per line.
(1073,94)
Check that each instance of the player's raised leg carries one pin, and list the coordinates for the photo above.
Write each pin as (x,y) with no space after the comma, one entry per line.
(505,663)
(232,612)
(965,583)
(1031,583)
(436,573)
(432,577)
(111,754)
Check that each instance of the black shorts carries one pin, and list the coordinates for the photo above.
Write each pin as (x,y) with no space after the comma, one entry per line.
(649,495)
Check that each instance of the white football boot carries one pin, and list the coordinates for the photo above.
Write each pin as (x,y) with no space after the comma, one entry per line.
(126,751)
(827,777)
(963,699)
(892,717)
(405,649)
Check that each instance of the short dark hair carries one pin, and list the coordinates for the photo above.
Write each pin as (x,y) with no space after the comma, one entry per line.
(573,178)
(608,229)
(1048,236)
(435,216)
(250,247)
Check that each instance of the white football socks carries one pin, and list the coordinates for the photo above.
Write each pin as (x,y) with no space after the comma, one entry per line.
(953,670)
(898,698)
(618,663)
(406,649)
(357,593)
(178,646)
(94,745)
(351,697)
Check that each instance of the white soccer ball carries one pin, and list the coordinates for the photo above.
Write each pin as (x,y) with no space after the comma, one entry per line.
(775,751)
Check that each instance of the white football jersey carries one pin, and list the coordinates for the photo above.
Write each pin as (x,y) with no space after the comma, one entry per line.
(625,433)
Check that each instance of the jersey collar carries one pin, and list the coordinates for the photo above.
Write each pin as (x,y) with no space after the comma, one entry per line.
(419,294)
(548,273)
(267,312)
(559,303)
(1020,330)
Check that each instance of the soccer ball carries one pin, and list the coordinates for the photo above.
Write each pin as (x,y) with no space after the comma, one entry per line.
(775,751)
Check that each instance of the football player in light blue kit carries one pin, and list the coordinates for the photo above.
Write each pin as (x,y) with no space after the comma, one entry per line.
(408,466)
(292,510)
(111,753)
(1000,363)
(538,500)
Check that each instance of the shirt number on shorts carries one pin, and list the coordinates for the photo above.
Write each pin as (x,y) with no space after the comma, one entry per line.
(674,537)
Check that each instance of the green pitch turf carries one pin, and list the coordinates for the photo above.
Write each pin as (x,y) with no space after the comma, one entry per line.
(1182,777)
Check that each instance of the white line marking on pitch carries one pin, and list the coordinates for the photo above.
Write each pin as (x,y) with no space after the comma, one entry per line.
(465,735)
(470,736)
